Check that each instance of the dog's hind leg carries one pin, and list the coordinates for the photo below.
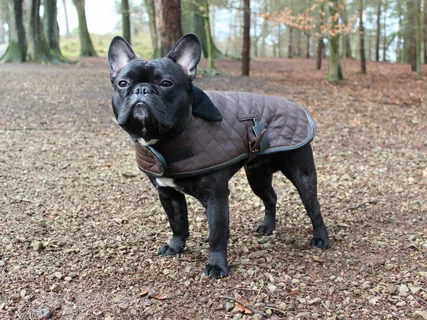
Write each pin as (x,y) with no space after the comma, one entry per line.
(175,206)
(298,166)
(260,180)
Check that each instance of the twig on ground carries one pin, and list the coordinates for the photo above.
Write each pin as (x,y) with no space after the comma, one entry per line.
(259,291)
(325,306)
(275,308)
(254,310)
(244,289)
(66,166)
(421,299)
(21,200)
(269,293)
(370,201)
(28,128)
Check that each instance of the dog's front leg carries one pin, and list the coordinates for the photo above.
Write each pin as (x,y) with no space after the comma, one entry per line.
(218,219)
(175,206)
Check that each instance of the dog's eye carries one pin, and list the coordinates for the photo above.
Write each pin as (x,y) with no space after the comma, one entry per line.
(123,84)
(166,83)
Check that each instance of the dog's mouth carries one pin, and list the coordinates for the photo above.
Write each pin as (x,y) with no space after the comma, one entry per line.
(142,123)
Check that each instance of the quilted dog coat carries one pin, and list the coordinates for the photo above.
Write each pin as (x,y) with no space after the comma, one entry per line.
(243,126)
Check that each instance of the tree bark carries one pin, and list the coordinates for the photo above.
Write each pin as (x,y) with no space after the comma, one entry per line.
(290,53)
(193,20)
(255,36)
(208,35)
(3,21)
(418,36)
(169,18)
(299,50)
(320,43)
(399,34)
(246,38)
(378,32)
(154,34)
(346,39)
(264,32)
(124,8)
(86,47)
(409,51)
(362,39)
(52,29)
(334,65)
(385,46)
(425,31)
(38,46)
(17,47)
(67,24)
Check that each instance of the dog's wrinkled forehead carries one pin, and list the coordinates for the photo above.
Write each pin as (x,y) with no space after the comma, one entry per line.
(146,71)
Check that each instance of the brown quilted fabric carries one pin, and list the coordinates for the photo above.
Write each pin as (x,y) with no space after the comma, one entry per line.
(216,144)
(147,162)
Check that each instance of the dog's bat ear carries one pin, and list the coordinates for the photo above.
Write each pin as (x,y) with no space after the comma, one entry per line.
(119,54)
(187,52)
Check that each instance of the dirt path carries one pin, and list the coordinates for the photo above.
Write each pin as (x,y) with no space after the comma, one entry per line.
(80,226)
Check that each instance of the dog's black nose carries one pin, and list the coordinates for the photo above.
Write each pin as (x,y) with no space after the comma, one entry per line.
(143,90)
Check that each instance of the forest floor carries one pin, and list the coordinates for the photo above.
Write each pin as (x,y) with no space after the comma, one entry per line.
(80,226)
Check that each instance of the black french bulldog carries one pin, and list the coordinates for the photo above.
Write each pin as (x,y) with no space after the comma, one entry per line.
(152,101)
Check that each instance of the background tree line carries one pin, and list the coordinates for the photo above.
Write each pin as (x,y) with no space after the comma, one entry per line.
(378,30)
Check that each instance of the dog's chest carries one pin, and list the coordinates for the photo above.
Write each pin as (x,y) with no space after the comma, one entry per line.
(166,182)
(170,183)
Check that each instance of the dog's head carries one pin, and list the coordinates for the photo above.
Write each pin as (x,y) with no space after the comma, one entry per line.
(151,99)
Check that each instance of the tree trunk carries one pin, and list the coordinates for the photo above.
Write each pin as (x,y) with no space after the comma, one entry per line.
(264,32)
(334,65)
(169,14)
(149,4)
(346,39)
(208,35)
(418,36)
(377,43)
(290,54)
(193,20)
(124,8)
(67,24)
(279,41)
(2,32)
(255,36)
(399,33)
(86,47)
(320,43)
(362,39)
(299,44)
(38,46)
(307,53)
(246,50)
(425,31)
(17,47)
(385,46)
(52,29)
(409,52)
(3,21)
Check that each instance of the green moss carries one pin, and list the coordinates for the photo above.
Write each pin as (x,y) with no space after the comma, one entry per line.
(70,46)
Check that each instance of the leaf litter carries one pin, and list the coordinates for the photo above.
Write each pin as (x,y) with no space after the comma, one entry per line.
(81,226)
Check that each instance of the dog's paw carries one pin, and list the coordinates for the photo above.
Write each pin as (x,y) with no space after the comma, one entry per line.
(217,266)
(319,242)
(176,245)
(215,271)
(167,250)
(265,229)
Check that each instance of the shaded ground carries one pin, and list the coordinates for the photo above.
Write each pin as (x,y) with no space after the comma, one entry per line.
(80,226)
